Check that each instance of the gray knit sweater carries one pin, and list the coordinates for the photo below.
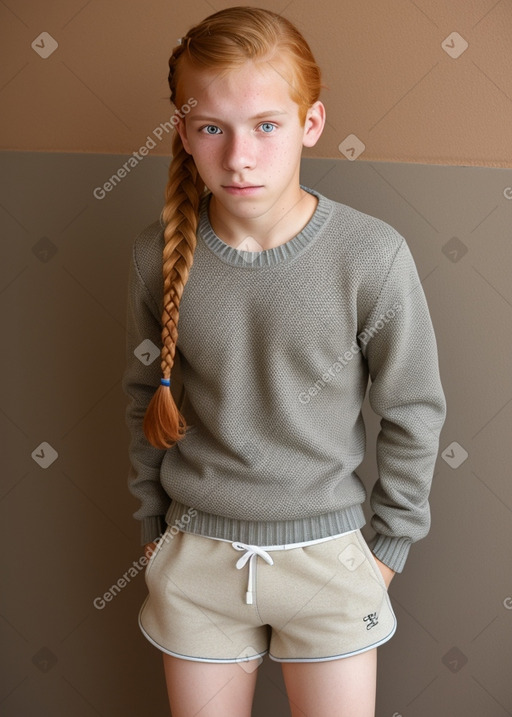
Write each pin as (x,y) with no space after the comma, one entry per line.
(274,355)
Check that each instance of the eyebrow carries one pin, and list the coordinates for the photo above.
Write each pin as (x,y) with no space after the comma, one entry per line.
(260,115)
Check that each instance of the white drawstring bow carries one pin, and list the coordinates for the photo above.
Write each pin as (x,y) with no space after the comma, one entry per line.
(250,554)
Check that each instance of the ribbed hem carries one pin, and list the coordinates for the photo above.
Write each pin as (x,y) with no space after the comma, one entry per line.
(392,552)
(152,528)
(279,532)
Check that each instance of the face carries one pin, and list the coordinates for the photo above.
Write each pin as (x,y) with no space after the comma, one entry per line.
(246,138)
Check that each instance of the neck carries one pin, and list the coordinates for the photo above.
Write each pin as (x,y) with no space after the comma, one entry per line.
(277,226)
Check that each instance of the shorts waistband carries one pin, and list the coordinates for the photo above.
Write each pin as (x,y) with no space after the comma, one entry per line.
(287,546)
(251,552)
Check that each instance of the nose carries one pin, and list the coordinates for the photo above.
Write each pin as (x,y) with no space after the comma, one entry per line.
(239,153)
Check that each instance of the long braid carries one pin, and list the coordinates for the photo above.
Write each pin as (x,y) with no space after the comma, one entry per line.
(163,423)
(224,40)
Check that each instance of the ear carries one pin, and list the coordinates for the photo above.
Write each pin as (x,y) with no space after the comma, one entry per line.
(181,128)
(314,124)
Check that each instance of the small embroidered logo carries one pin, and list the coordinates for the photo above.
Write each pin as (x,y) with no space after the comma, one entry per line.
(372,620)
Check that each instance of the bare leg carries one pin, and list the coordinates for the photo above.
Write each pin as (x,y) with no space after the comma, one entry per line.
(204,689)
(336,688)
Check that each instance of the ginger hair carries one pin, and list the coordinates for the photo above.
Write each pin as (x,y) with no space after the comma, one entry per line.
(223,41)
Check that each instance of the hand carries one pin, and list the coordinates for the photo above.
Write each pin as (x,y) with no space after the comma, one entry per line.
(387,573)
(149,549)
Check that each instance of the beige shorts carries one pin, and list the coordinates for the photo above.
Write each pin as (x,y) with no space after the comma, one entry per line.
(216,601)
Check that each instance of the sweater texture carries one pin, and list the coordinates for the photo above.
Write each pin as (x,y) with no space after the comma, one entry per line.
(275,351)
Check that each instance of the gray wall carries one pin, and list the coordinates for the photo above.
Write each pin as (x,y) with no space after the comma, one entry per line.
(67,527)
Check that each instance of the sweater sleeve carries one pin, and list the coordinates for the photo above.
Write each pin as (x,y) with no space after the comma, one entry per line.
(406,392)
(140,380)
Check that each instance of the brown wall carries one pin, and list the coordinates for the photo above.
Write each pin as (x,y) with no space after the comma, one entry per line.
(390,81)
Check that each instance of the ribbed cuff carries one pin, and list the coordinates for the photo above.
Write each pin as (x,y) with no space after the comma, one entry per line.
(152,528)
(392,552)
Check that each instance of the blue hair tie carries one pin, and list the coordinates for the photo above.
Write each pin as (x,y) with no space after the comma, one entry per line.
(165,381)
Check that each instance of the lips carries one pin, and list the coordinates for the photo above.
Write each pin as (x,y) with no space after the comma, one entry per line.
(242,189)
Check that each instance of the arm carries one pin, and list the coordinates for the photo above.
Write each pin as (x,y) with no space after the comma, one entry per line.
(139,383)
(406,392)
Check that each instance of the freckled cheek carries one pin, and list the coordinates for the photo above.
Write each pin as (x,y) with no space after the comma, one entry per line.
(275,156)
(206,159)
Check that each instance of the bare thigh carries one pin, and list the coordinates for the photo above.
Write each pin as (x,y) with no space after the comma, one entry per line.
(204,689)
(335,688)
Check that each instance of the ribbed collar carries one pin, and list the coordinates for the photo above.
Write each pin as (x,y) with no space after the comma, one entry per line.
(268,257)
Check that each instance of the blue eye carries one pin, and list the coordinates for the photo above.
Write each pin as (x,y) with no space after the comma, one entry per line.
(210,127)
(268,127)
